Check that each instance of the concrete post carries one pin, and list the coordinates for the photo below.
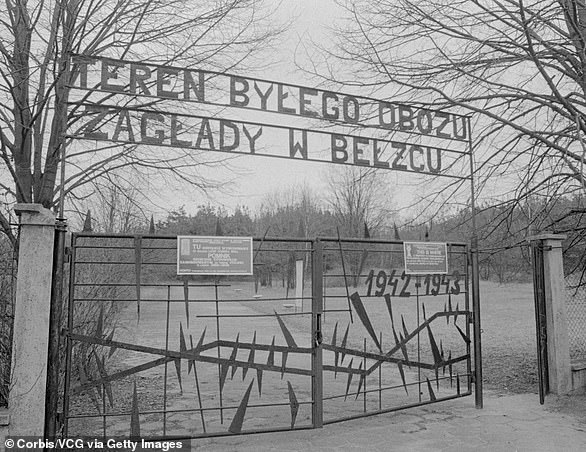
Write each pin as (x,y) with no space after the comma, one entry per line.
(558,345)
(26,400)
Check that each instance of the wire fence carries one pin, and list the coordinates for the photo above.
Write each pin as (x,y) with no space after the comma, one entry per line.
(576,311)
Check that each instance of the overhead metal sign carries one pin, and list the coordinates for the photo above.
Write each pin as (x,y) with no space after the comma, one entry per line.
(162,106)
(141,126)
(203,255)
(424,258)
(139,79)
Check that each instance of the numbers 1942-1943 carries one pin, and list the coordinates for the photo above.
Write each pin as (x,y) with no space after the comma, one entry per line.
(401,285)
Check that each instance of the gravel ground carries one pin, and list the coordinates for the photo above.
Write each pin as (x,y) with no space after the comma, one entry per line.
(509,351)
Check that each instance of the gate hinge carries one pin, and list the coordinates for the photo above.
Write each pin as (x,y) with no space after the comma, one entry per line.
(473,377)
(318,336)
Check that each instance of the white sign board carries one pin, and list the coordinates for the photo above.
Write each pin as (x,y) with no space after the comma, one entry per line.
(201,255)
(424,258)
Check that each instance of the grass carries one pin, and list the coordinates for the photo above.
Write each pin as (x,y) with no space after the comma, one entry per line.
(508,337)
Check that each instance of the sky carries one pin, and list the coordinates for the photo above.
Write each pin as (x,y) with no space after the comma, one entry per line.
(257,176)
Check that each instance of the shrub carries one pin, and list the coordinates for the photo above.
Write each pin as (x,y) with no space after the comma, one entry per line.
(7,286)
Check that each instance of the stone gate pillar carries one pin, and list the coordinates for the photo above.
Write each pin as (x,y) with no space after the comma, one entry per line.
(558,345)
(26,400)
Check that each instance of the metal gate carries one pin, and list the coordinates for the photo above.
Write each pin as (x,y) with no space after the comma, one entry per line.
(326,330)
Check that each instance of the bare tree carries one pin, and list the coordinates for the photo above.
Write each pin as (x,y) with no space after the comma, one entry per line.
(294,211)
(361,205)
(115,205)
(36,42)
(358,198)
(518,65)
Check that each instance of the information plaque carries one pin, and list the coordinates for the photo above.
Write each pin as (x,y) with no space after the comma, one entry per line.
(201,255)
(423,258)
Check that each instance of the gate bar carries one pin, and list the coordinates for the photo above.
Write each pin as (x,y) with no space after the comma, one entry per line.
(540,325)
(477,329)
(475,278)
(69,343)
(56,308)
(316,334)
